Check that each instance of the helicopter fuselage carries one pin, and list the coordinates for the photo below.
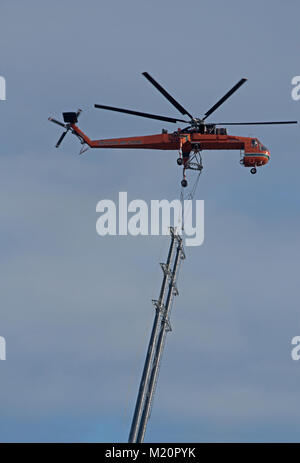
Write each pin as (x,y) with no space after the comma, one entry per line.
(254,153)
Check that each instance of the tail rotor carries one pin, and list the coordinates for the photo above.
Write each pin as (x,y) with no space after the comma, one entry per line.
(69,119)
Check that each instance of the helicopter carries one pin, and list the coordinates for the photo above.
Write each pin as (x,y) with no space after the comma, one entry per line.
(190,141)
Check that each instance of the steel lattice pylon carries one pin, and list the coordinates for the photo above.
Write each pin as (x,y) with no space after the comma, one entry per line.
(161,326)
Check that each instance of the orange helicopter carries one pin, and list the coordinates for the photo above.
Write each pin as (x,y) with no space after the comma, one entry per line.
(190,141)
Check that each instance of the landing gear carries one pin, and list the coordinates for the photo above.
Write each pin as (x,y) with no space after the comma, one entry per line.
(184,183)
(253,170)
(191,161)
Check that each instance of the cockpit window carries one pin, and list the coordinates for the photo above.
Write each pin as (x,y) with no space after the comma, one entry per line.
(254,143)
(263,148)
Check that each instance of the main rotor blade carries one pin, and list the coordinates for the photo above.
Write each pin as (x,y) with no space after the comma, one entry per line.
(61,139)
(256,123)
(167,95)
(56,122)
(224,98)
(138,113)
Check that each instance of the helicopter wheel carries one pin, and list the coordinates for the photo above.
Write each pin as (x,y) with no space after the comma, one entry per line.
(179,161)
(253,170)
(184,183)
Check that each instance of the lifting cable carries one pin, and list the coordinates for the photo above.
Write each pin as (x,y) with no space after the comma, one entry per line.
(189,196)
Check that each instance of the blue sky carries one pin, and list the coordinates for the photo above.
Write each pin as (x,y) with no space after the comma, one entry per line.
(76,308)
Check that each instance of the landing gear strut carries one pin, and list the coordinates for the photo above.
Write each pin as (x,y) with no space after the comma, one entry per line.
(253,170)
(192,161)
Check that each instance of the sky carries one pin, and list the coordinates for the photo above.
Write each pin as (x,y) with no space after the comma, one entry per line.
(76,308)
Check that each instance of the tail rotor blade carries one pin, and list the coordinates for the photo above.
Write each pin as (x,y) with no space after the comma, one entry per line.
(61,138)
(56,121)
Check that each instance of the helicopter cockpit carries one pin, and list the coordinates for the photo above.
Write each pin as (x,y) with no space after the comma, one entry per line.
(255,143)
